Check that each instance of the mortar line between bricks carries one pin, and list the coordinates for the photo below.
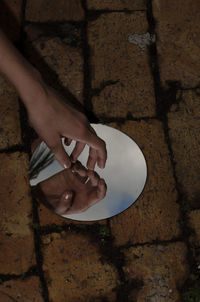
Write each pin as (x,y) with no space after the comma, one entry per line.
(13,149)
(159,95)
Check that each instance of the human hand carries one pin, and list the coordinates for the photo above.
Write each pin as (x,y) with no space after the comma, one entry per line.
(53,118)
(73,191)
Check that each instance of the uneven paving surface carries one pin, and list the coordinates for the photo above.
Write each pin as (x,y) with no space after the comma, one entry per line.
(134,65)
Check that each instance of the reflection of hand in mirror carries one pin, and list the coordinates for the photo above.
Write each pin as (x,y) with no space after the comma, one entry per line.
(73,191)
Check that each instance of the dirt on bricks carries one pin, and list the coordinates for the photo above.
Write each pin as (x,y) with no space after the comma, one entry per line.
(133,65)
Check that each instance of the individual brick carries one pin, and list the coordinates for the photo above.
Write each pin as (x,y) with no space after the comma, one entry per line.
(194,222)
(155,215)
(73,269)
(10,130)
(11,18)
(178,43)
(50,10)
(17,252)
(116,5)
(184,127)
(47,217)
(27,290)
(115,58)
(163,269)
(61,62)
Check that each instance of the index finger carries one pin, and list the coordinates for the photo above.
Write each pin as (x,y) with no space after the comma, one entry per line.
(100,146)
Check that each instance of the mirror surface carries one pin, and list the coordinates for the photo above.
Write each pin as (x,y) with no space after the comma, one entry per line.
(125,172)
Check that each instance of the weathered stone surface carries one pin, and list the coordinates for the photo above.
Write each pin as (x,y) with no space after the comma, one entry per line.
(61,63)
(10,131)
(184,128)
(50,10)
(11,17)
(27,290)
(116,5)
(47,217)
(115,58)
(194,219)
(74,271)
(178,45)
(155,215)
(17,243)
(162,268)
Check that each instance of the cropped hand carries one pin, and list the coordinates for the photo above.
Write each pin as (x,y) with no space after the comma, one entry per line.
(54,118)
(73,191)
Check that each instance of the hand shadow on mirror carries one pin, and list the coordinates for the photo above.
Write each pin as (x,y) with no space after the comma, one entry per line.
(71,191)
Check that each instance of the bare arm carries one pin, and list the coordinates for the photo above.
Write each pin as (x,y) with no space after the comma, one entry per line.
(49,115)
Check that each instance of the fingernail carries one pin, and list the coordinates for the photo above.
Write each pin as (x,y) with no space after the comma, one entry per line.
(65,166)
(66,196)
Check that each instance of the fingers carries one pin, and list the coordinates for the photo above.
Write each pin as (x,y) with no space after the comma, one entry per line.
(77,151)
(92,159)
(94,178)
(101,190)
(99,145)
(60,154)
(65,203)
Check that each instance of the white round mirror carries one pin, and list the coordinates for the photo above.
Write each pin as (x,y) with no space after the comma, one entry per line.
(125,174)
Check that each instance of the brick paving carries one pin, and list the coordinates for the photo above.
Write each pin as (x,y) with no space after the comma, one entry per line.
(92,52)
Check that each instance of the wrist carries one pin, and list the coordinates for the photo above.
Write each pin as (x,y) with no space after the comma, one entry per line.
(34,89)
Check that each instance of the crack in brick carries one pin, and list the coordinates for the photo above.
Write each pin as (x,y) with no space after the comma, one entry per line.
(102,86)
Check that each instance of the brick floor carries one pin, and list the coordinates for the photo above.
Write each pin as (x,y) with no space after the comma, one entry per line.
(10,131)
(24,290)
(178,29)
(49,11)
(17,241)
(117,58)
(116,5)
(184,125)
(132,90)
(74,271)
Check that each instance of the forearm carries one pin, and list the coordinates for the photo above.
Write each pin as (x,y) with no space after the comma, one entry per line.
(25,78)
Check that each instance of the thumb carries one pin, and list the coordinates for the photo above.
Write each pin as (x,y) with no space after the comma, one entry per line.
(65,202)
(60,154)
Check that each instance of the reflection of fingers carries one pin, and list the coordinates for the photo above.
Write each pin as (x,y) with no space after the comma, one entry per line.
(65,203)
(94,178)
(102,188)
(92,159)
(77,151)
(67,141)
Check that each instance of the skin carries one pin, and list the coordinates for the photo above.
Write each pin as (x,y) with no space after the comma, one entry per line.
(73,191)
(50,114)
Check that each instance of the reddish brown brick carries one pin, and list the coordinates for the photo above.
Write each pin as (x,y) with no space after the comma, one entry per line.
(163,269)
(17,241)
(74,271)
(178,30)
(47,217)
(10,131)
(116,5)
(194,222)
(61,63)
(155,215)
(115,58)
(27,290)
(50,10)
(184,127)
